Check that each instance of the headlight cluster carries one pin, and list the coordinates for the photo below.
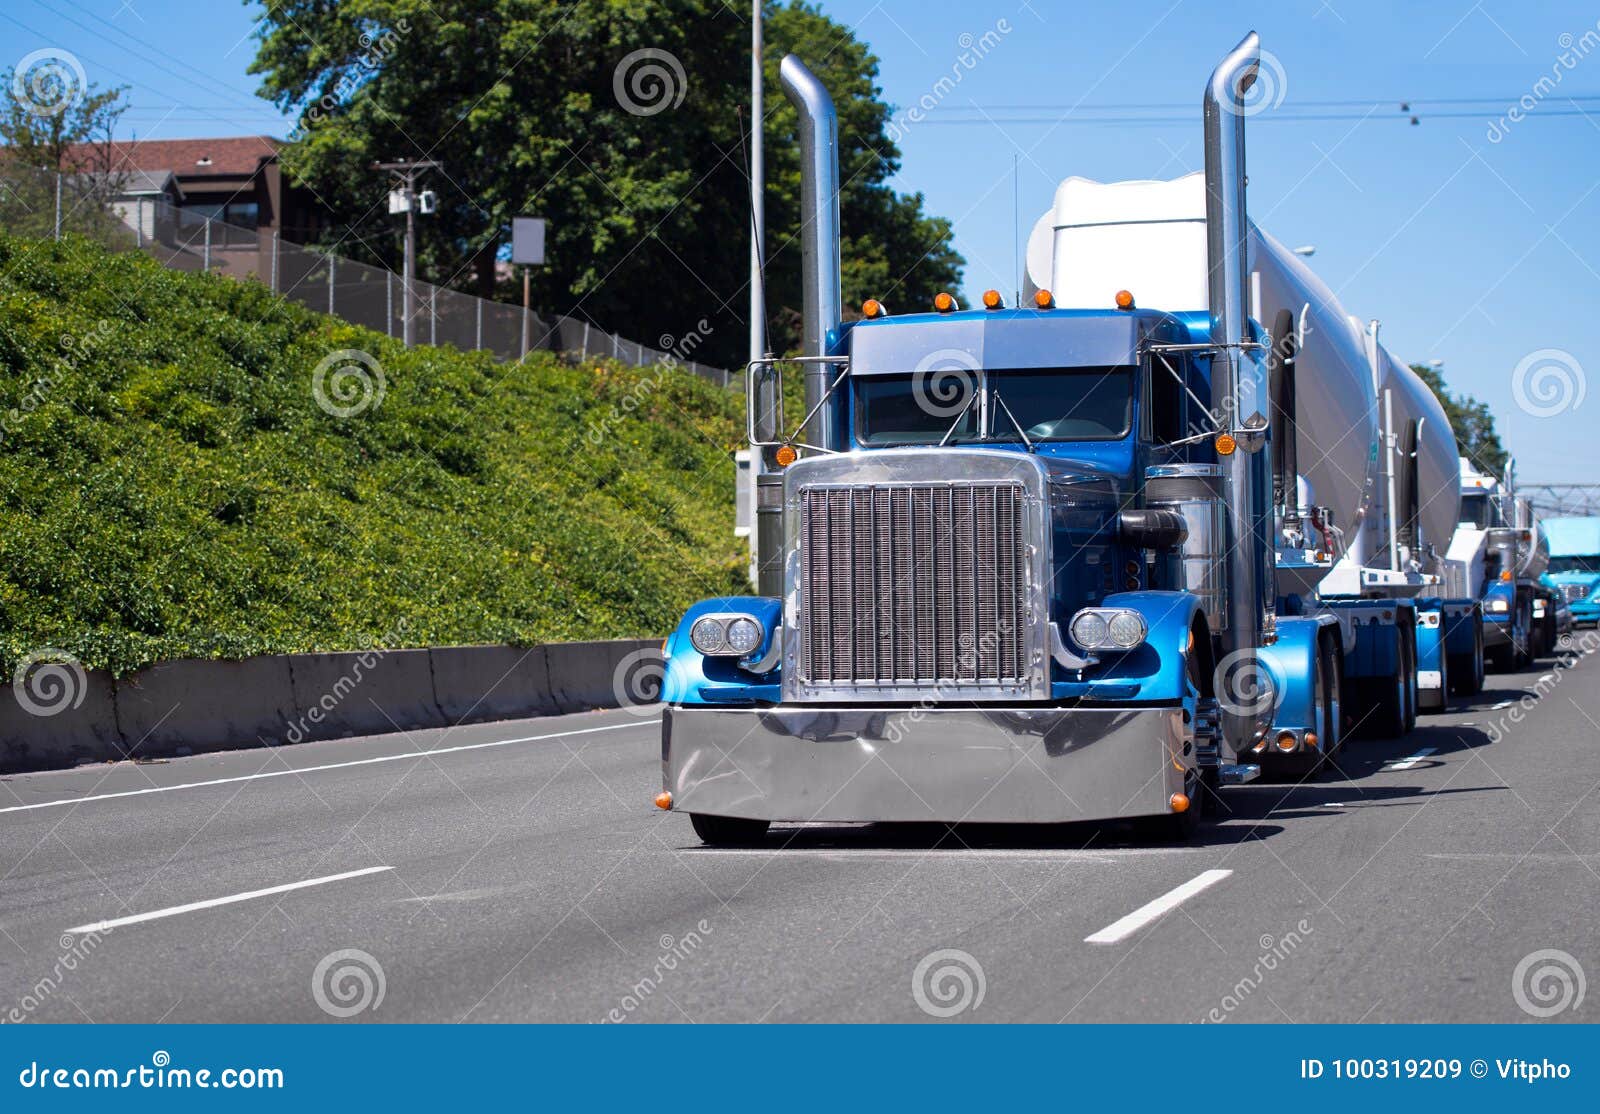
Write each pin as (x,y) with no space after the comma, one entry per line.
(1108,628)
(1499,606)
(727,636)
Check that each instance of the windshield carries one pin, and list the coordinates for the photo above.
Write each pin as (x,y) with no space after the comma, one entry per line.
(1575,564)
(1049,404)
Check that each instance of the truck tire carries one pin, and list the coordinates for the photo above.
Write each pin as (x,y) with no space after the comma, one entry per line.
(728,831)
(1386,719)
(1408,671)
(1438,699)
(1522,643)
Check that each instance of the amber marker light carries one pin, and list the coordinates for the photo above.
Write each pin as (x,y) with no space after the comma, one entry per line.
(663,800)
(785,455)
(1179,802)
(1124,299)
(1225,444)
(1044,299)
(1311,740)
(873,308)
(1286,741)
(944,302)
(992,300)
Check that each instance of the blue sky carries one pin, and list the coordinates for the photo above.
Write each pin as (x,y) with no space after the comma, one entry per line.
(1476,252)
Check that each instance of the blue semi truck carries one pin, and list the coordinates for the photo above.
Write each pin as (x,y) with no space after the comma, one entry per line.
(1057,561)
(1574,569)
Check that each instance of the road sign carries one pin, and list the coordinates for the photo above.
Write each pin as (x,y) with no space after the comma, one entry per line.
(527,240)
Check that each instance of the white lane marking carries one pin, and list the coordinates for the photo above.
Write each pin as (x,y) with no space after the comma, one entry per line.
(900,855)
(1410,760)
(329,766)
(193,906)
(1502,704)
(1155,910)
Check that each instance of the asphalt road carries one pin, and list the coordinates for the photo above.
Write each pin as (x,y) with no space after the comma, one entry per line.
(518,872)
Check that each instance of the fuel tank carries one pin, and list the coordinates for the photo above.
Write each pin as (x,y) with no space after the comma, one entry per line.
(1149,238)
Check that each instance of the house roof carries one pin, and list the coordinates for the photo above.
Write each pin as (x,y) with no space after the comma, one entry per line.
(187,158)
(135,183)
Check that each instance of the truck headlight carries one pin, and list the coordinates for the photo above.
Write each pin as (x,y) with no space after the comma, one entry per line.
(1108,628)
(1499,606)
(727,636)
(744,635)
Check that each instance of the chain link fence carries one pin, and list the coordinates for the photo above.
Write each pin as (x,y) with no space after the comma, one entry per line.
(43,204)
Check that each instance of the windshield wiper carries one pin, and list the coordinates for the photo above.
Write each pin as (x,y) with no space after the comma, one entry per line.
(951,431)
(1020,431)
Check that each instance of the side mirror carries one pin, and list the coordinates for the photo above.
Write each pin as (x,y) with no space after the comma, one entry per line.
(1152,528)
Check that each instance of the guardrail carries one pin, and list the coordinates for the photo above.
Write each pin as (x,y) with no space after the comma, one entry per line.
(194,706)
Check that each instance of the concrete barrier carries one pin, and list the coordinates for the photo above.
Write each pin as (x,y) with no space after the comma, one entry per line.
(206,705)
(368,693)
(581,675)
(192,706)
(476,683)
(59,727)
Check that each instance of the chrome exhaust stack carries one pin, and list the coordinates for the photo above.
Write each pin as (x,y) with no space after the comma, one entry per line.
(819,237)
(1236,387)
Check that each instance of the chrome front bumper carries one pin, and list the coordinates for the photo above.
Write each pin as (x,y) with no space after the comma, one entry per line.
(976,765)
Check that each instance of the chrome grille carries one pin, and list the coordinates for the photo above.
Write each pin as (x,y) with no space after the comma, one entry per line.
(914,584)
(1575,592)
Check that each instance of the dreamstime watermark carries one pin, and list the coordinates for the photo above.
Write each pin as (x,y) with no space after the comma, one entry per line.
(974,49)
(674,951)
(48,82)
(75,950)
(1243,684)
(376,48)
(944,382)
(636,681)
(1275,951)
(649,81)
(348,982)
(1548,382)
(346,683)
(1266,90)
(675,350)
(48,682)
(1573,51)
(158,1074)
(1571,649)
(1548,982)
(948,982)
(347,382)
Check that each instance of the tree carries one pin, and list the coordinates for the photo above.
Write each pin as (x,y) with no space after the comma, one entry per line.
(620,124)
(1471,420)
(52,122)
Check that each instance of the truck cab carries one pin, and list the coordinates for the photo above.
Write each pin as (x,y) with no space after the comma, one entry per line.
(1574,570)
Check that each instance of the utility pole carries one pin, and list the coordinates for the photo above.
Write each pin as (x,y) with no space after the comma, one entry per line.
(406,172)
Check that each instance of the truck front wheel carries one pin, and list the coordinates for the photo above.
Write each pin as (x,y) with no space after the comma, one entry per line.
(728,831)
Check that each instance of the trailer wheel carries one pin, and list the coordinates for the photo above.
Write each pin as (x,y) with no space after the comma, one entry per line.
(1479,671)
(1522,645)
(1408,673)
(728,831)
(1441,701)
(1387,717)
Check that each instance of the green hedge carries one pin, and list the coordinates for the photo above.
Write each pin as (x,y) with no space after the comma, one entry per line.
(172,487)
